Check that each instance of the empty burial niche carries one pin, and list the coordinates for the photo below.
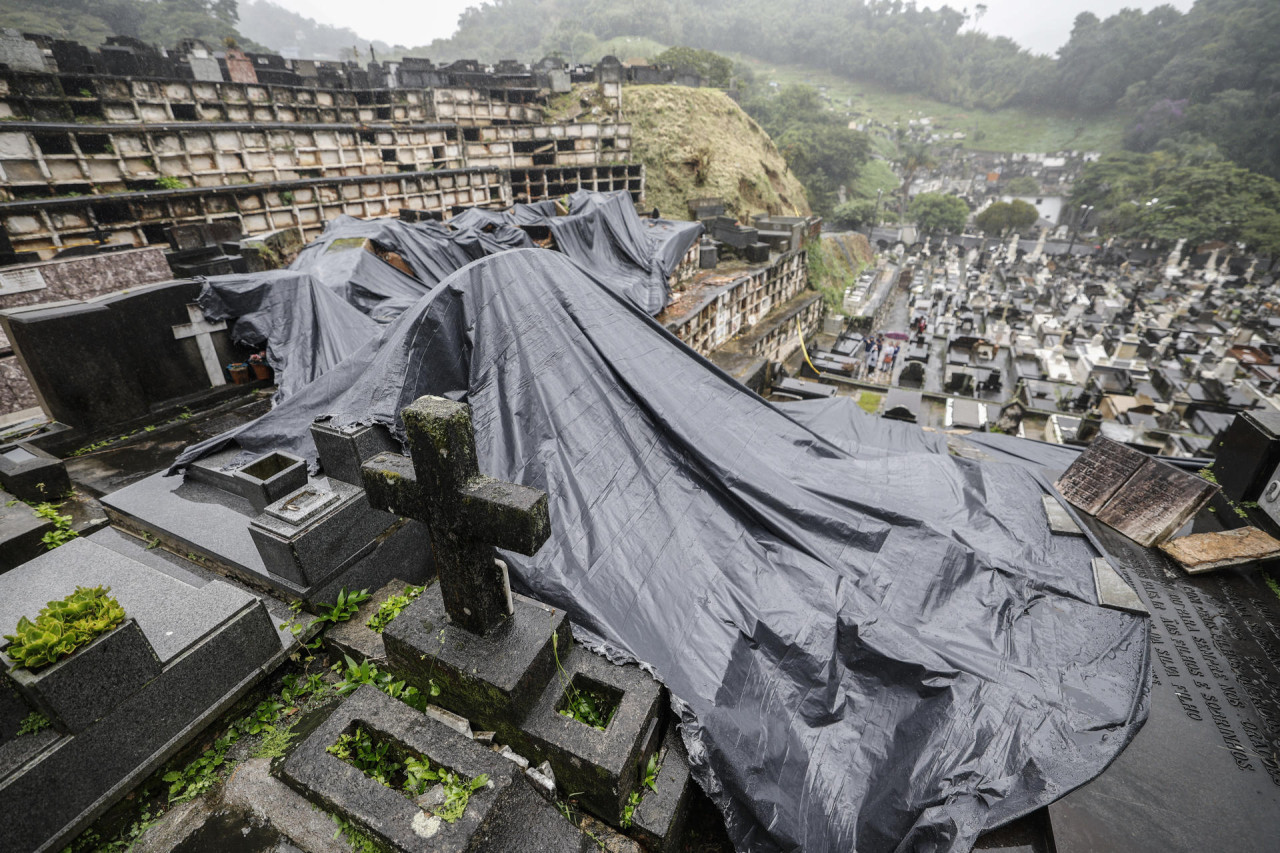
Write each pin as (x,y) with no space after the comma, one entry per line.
(94,143)
(53,143)
(388,155)
(184,112)
(111,212)
(588,701)
(86,109)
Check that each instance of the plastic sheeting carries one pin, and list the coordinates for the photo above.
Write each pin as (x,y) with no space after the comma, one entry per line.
(306,327)
(603,233)
(877,647)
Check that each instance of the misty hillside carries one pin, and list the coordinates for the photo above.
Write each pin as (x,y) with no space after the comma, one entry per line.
(290,33)
(1210,76)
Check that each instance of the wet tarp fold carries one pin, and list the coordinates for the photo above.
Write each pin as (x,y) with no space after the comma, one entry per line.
(876,646)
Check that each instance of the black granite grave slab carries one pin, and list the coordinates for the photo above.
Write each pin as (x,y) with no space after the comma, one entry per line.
(214,641)
(112,359)
(269,478)
(310,536)
(30,474)
(491,680)
(1203,772)
(1249,452)
(505,814)
(192,516)
(603,765)
(79,690)
(21,532)
(343,451)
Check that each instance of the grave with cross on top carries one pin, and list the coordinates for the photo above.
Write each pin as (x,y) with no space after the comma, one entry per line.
(467,513)
(502,661)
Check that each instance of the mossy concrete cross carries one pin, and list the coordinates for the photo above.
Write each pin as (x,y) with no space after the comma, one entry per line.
(467,513)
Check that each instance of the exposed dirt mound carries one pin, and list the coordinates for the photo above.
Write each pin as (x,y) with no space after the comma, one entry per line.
(698,143)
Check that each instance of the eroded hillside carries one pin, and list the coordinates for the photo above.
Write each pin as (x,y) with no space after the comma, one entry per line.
(697,143)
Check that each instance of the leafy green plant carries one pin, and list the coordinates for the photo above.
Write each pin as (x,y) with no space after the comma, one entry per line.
(63,626)
(649,780)
(353,674)
(412,775)
(391,608)
(373,759)
(582,704)
(169,182)
(359,840)
(205,770)
(32,723)
(347,605)
(62,532)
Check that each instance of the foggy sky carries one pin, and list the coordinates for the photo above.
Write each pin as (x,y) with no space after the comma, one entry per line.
(1035,24)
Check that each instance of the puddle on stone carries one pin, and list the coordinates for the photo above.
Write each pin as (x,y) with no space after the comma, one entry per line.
(235,830)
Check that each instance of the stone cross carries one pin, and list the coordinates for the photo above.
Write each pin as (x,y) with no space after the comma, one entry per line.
(202,330)
(467,513)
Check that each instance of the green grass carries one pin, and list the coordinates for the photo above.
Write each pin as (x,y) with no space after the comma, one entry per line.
(875,175)
(869,402)
(1001,130)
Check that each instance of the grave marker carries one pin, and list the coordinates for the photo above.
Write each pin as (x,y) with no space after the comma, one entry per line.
(467,513)
(505,663)
(1131,492)
(202,330)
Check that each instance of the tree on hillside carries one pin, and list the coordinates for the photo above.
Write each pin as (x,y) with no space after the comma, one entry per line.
(913,158)
(1005,216)
(716,70)
(820,149)
(1176,193)
(855,214)
(939,212)
(1021,185)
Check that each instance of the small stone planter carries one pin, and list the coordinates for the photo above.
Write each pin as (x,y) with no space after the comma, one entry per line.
(269,478)
(77,691)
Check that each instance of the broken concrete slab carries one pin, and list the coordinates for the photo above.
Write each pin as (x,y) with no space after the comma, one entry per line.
(1113,591)
(1206,552)
(660,818)
(1060,520)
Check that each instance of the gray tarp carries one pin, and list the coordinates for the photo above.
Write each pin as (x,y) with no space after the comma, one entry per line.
(878,648)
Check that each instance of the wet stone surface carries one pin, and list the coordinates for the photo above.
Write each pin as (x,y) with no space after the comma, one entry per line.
(1203,773)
